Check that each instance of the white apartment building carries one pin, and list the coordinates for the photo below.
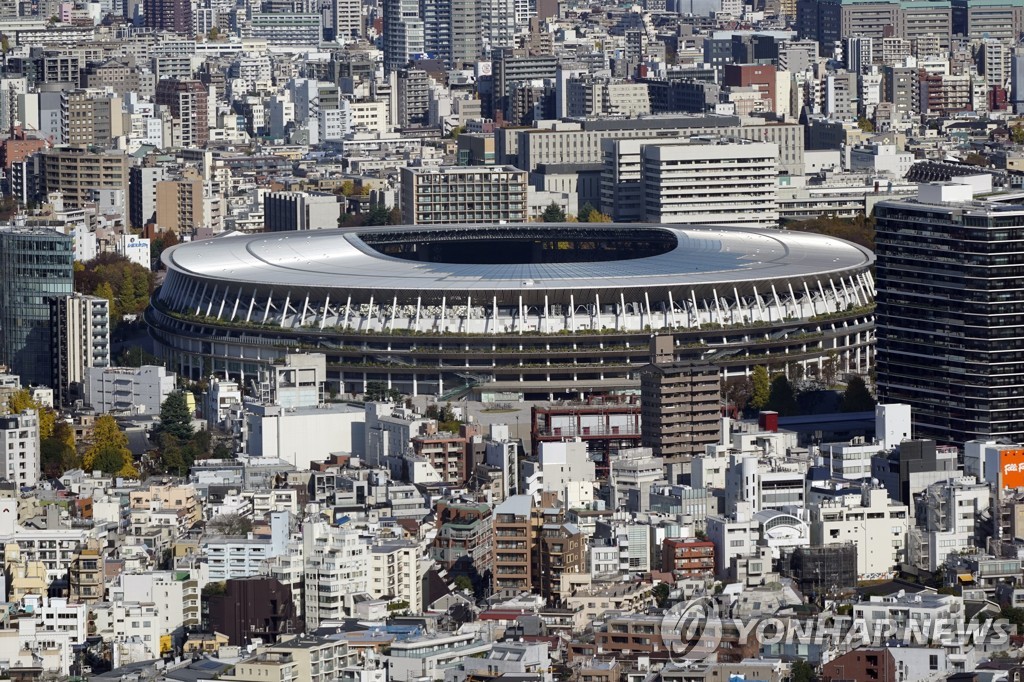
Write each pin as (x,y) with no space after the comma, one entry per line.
(337,567)
(394,573)
(132,628)
(240,557)
(176,599)
(19,448)
(768,483)
(877,525)
(129,389)
(948,518)
(711,183)
(428,657)
(80,332)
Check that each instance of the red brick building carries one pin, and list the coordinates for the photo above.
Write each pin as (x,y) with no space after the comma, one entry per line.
(688,557)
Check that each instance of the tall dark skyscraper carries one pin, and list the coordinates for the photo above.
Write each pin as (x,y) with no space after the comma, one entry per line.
(950,313)
(35,264)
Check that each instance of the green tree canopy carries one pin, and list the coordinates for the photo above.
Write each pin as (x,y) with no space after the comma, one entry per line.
(553,214)
(109,447)
(126,285)
(857,397)
(175,418)
(761,387)
(782,397)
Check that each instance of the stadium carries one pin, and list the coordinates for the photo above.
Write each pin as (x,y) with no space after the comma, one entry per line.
(500,312)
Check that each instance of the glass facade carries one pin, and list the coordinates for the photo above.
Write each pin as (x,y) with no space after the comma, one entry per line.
(35,264)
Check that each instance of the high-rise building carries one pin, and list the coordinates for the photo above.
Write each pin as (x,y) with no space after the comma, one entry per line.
(348,19)
(142,183)
(35,264)
(716,183)
(80,332)
(168,15)
(413,98)
(949,313)
(403,33)
(680,405)
(19,448)
(187,101)
(463,195)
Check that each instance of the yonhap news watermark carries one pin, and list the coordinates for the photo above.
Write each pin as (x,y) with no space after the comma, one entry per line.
(694,630)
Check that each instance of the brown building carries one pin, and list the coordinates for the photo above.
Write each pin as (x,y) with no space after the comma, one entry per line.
(680,405)
(464,544)
(86,575)
(447,453)
(78,173)
(188,102)
(606,428)
(90,117)
(688,557)
(759,77)
(251,608)
(534,546)
(179,205)
(120,75)
(168,15)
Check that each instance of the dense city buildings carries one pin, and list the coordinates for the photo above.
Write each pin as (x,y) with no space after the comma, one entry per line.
(506,340)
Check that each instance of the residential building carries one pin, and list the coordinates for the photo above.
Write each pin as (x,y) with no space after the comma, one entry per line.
(284,211)
(79,174)
(19,448)
(875,523)
(251,608)
(168,15)
(494,194)
(680,405)
(180,206)
(80,335)
(187,100)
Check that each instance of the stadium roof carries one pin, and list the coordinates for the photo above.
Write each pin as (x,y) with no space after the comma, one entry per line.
(331,259)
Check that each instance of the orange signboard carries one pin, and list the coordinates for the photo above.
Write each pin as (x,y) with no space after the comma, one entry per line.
(1011,468)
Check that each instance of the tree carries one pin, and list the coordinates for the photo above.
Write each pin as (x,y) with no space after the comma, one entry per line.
(463,582)
(175,418)
(109,448)
(137,357)
(830,370)
(553,214)
(378,392)
(1017,134)
(802,671)
(21,400)
(661,593)
(866,125)
(760,387)
(231,524)
(56,457)
(856,397)
(348,188)
(126,285)
(738,391)
(782,397)
(976,159)
(161,243)
(585,212)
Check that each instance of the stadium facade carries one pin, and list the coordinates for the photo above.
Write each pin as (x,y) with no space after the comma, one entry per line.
(509,311)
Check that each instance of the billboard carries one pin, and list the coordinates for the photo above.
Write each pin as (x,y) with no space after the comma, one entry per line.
(1011,468)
